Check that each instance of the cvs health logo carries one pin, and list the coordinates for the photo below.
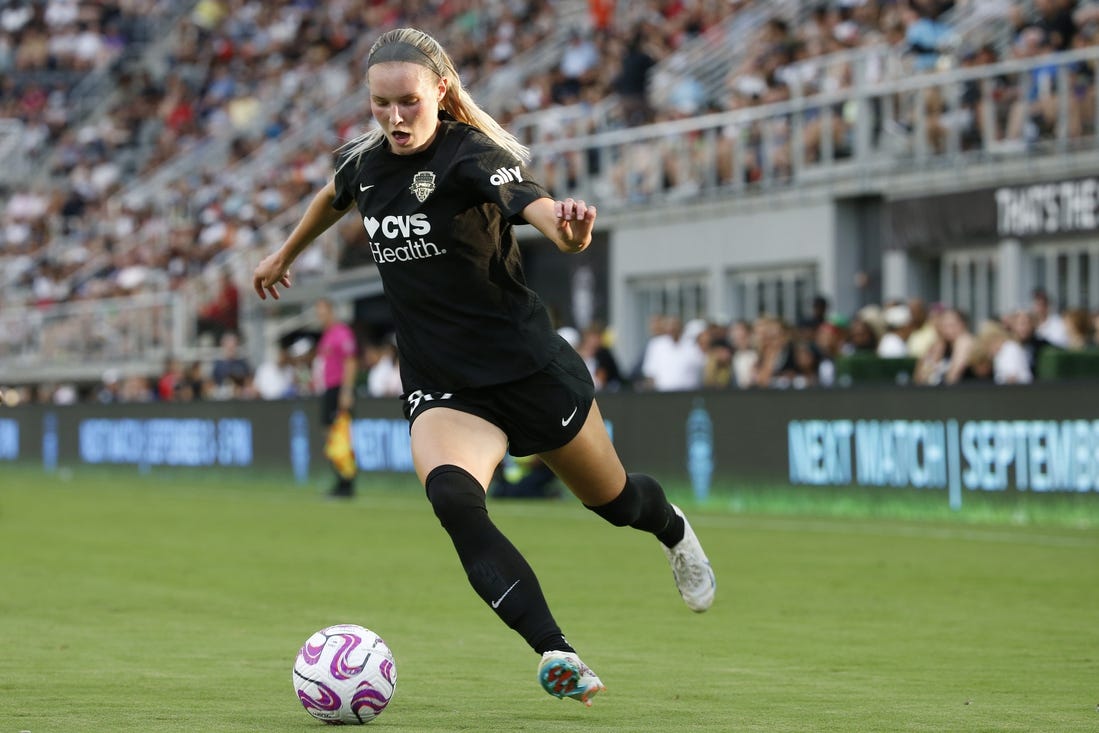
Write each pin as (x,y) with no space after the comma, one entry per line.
(394,229)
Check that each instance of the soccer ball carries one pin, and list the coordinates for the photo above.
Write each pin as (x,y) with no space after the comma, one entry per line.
(345,674)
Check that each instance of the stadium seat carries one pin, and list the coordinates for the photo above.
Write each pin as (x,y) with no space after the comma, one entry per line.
(868,368)
(1058,364)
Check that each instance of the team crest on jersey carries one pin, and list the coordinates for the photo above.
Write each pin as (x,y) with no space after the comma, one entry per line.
(423,183)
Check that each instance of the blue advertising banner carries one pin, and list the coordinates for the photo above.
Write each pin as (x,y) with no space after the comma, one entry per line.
(1038,439)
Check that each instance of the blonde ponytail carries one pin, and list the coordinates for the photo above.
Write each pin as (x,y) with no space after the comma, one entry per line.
(457,102)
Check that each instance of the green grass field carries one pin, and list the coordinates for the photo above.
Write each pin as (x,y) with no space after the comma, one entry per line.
(168,603)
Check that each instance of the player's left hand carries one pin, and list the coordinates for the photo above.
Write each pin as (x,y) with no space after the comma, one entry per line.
(575,220)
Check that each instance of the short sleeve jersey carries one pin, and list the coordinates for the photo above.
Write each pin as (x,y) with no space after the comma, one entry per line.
(336,346)
(440,228)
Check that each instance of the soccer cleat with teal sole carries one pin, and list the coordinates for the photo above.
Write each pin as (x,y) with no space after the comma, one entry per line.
(562,675)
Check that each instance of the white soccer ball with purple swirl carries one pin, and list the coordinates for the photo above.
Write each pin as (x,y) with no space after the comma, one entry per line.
(345,674)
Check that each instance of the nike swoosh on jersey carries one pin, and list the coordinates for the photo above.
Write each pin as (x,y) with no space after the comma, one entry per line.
(365,188)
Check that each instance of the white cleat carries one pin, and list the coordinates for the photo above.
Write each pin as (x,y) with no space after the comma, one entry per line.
(562,674)
(691,568)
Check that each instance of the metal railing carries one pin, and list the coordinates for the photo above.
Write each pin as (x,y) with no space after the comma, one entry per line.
(563,121)
(80,340)
(16,163)
(1009,109)
(708,59)
(873,63)
(976,24)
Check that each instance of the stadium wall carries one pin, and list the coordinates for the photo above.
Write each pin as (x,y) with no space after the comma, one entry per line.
(1038,440)
(981,246)
(713,245)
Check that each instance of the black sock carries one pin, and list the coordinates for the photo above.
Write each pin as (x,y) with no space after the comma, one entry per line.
(494,567)
(643,505)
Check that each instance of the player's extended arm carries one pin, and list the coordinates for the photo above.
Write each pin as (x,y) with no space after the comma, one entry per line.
(275,267)
(567,223)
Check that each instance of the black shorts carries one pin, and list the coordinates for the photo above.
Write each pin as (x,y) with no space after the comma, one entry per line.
(537,413)
(330,406)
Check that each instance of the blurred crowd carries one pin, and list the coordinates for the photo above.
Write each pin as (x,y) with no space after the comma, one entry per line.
(67,35)
(829,47)
(204,150)
(932,345)
(193,154)
(184,166)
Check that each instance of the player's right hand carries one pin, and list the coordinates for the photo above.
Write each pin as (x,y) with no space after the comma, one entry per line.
(270,272)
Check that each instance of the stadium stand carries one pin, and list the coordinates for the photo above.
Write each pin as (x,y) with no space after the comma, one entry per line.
(152,146)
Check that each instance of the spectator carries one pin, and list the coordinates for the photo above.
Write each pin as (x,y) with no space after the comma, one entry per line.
(898,323)
(1050,326)
(776,357)
(949,358)
(1009,360)
(230,367)
(1035,112)
(863,338)
(168,383)
(274,378)
(136,388)
(828,342)
(301,353)
(923,333)
(806,366)
(657,325)
(65,394)
(222,313)
(745,356)
(927,37)
(108,390)
(1020,325)
(981,367)
(601,363)
(717,373)
(578,61)
(673,360)
(632,83)
(818,313)
(385,376)
(1055,20)
(1076,329)
(195,385)
(368,358)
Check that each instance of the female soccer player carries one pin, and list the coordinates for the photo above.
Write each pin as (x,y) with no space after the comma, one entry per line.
(440,185)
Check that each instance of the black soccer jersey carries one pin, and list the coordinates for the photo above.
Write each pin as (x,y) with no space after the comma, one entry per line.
(439,224)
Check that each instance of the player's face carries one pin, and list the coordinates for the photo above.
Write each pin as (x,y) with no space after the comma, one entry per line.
(404,99)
